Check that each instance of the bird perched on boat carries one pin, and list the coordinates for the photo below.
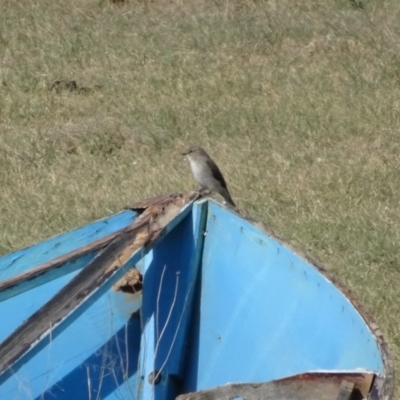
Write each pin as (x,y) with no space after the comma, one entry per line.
(206,173)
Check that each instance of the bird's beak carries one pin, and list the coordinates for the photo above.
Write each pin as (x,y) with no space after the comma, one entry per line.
(184,153)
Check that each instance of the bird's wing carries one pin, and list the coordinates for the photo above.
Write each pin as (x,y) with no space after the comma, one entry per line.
(216,172)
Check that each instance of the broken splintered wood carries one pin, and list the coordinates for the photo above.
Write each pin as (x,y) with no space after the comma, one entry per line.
(141,235)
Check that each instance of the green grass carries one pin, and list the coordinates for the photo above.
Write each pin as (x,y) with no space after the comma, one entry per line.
(297,101)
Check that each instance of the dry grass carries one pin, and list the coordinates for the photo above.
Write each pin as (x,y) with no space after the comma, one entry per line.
(297,101)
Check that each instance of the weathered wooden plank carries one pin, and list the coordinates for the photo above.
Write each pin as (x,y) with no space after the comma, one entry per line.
(65,248)
(315,386)
(57,262)
(136,239)
(30,257)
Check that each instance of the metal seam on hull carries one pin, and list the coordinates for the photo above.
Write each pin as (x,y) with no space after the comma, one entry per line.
(384,390)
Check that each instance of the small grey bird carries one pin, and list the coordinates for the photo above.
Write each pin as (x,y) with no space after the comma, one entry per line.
(206,173)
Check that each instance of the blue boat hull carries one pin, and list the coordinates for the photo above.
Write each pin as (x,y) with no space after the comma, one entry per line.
(222,302)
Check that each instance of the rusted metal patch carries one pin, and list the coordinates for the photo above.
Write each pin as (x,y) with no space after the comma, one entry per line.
(131,282)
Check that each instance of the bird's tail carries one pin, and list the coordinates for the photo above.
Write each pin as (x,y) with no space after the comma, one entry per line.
(226,195)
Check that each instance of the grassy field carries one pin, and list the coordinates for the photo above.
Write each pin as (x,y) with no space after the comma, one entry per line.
(298,101)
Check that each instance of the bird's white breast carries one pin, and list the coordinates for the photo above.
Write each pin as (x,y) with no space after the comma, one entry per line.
(196,168)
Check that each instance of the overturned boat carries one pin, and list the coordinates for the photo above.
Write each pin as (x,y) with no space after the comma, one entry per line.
(180,297)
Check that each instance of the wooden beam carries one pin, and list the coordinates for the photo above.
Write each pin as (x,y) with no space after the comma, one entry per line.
(57,262)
